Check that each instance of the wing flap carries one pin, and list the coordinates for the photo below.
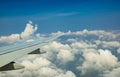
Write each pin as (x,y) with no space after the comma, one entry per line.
(11,66)
(37,51)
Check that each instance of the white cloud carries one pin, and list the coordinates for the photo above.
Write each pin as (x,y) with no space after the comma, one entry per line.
(51,49)
(27,34)
(103,35)
(101,61)
(115,44)
(57,33)
(65,56)
(96,61)
(56,46)
(114,73)
(71,40)
(29,30)
(83,45)
(67,74)
(38,35)
(10,39)
(51,72)
(54,73)
(61,51)
(35,62)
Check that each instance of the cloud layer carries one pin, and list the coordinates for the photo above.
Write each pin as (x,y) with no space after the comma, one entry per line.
(76,54)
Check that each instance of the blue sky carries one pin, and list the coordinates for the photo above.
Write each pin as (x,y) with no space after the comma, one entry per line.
(59,15)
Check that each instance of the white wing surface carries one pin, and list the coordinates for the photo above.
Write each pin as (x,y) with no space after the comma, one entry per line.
(9,54)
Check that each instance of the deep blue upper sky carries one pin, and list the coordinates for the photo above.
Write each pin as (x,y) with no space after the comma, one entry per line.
(62,15)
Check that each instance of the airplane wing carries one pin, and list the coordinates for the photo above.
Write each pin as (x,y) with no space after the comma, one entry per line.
(9,54)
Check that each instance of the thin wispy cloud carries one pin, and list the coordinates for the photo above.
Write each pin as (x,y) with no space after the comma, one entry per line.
(67,13)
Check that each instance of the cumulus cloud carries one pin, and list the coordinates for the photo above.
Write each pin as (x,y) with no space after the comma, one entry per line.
(83,45)
(76,54)
(103,60)
(29,30)
(10,39)
(98,60)
(65,56)
(67,74)
(115,44)
(100,33)
(27,34)
(62,52)
(114,73)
